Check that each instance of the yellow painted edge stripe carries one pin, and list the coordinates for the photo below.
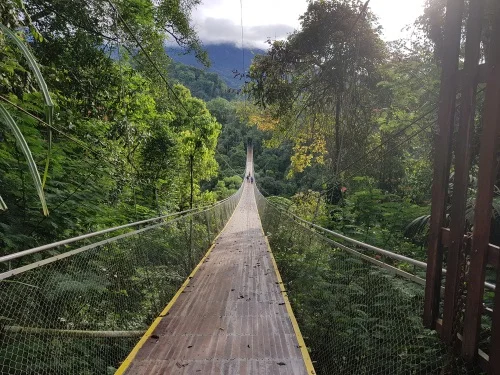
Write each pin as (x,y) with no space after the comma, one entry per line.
(126,363)
(300,340)
(303,348)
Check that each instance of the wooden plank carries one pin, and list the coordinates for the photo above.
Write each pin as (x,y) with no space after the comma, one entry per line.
(493,250)
(232,311)
(482,214)
(462,166)
(447,93)
(483,358)
(495,331)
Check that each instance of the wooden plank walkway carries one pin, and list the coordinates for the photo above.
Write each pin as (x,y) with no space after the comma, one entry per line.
(232,317)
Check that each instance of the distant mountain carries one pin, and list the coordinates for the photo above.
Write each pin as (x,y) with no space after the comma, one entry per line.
(225,58)
(202,84)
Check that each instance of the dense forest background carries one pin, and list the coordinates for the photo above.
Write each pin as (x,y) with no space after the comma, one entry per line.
(341,121)
(101,127)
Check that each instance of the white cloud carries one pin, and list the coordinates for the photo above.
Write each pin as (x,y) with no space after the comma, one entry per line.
(219,20)
(213,30)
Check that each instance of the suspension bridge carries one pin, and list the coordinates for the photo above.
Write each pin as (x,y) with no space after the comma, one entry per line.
(232,315)
(243,286)
(148,298)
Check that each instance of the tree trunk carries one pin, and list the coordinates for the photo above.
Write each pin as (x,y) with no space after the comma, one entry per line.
(337,135)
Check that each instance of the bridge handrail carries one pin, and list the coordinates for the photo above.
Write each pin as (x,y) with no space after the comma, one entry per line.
(378,250)
(67,241)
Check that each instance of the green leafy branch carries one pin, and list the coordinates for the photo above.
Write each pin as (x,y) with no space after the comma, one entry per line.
(49,113)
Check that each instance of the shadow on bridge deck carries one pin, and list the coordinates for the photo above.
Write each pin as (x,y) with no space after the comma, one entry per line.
(232,316)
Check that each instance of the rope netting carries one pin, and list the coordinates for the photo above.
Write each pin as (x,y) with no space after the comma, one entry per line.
(80,309)
(357,314)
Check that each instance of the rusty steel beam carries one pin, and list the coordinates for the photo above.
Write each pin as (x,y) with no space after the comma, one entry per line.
(482,215)
(462,166)
(447,94)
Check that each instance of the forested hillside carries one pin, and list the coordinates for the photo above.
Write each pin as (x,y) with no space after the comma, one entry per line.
(342,134)
(119,138)
(101,127)
(357,116)
(226,60)
(202,84)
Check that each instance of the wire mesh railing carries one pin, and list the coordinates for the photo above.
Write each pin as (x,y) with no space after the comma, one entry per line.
(359,310)
(79,307)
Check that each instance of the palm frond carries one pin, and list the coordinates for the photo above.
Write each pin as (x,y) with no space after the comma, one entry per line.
(3,206)
(47,161)
(49,110)
(9,121)
(49,105)
(418,226)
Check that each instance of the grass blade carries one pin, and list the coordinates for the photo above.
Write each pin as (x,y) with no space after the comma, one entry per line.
(3,206)
(47,161)
(35,69)
(9,121)
(49,105)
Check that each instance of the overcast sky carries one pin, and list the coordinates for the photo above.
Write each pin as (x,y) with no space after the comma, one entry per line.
(218,21)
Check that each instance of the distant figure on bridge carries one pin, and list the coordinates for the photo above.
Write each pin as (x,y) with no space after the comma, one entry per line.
(248,177)
(251,179)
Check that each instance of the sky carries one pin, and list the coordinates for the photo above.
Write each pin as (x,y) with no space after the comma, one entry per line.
(219,21)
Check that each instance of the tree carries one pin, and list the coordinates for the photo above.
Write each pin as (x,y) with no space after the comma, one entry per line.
(317,83)
(198,132)
(119,152)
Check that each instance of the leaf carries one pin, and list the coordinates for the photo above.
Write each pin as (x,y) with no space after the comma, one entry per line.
(36,71)
(49,105)
(3,206)
(9,121)
(47,161)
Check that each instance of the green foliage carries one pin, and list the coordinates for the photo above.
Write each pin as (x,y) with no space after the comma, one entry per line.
(9,121)
(377,217)
(303,81)
(118,287)
(203,85)
(227,186)
(11,124)
(121,146)
(173,17)
(356,318)
(35,70)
